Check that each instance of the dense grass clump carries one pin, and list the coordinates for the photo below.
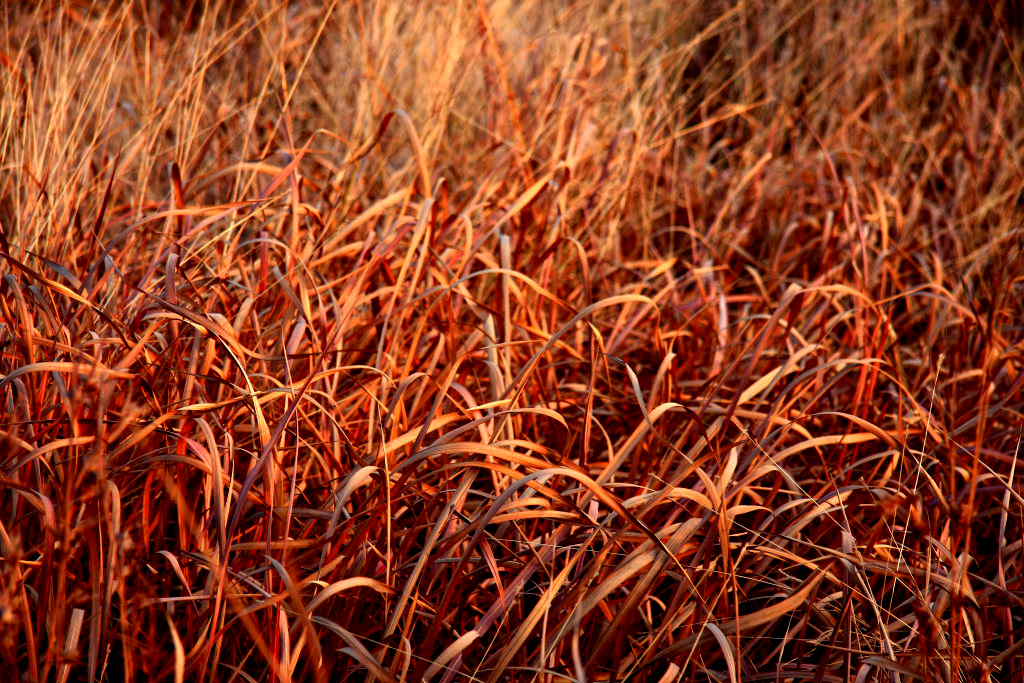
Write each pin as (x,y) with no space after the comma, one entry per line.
(485,340)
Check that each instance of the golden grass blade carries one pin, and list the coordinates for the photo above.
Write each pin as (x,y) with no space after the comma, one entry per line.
(71,641)
(96,373)
(450,653)
(774,376)
(417,147)
(747,621)
(179,652)
(346,584)
(727,650)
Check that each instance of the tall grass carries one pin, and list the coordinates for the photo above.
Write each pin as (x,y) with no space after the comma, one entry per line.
(499,340)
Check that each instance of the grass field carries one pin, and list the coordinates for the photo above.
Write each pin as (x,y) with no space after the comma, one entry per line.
(495,340)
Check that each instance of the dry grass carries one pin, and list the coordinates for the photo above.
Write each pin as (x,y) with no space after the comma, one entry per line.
(485,341)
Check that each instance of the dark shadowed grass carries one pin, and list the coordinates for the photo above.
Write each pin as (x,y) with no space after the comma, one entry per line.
(667,341)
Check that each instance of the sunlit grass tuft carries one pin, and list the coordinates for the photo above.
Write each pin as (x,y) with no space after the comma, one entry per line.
(668,341)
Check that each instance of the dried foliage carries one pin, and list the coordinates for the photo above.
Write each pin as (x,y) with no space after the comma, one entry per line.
(497,340)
